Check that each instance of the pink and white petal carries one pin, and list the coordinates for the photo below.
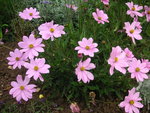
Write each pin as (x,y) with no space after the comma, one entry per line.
(138,104)
(111,70)
(13,90)
(18,98)
(14,84)
(19,79)
(90,66)
(135,109)
(89,75)
(24,97)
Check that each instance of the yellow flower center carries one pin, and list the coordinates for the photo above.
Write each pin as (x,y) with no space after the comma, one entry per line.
(131,102)
(100,18)
(137,69)
(82,68)
(87,47)
(132,31)
(21,87)
(41,96)
(31,14)
(17,58)
(148,12)
(31,46)
(52,30)
(36,68)
(116,59)
(133,8)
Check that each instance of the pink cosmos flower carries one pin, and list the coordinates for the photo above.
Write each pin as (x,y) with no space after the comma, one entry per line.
(29,14)
(147,63)
(132,31)
(72,7)
(87,47)
(147,13)
(51,30)
(31,46)
(131,102)
(106,2)
(74,108)
(138,70)
(21,89)
(117,60)
(36,68)
(16,59)
(100,16)
(133,10)
(129,54)
(82,70)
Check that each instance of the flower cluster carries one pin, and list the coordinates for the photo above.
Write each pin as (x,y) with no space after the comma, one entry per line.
(123,61)
(27,55)
(134,29)
(88,48)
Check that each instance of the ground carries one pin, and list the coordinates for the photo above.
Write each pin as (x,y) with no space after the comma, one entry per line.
(57,105)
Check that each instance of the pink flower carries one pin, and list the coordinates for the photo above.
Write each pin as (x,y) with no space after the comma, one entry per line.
(74,108)
(72,7)
(16,59)
(147,63)
(51,30)
(131,102)
(138,70)
(147,13)
(21,89)
(129,54)
(100,16)
(132,31)
(36,68)
(117,60)
(87,47)
(82,73)
(106,2)
(133,10)
(29,14)
(31,46)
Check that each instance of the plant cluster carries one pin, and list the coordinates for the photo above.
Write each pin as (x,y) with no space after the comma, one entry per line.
(66,65)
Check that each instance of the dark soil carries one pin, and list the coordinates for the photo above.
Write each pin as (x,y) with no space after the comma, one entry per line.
(56,106)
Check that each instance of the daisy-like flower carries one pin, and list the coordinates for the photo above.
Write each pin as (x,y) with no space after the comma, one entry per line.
(117,60)
(131,102)
(100,16)
(31,46)
(29,14)
(134,10)
(72,7)
(82,70)
(132,31)
(147,13)
(16,59)
(129,54)
(106,2)
(22,89)
(147,63)
(51,30)
(36,68)
(87,47)
(138,70)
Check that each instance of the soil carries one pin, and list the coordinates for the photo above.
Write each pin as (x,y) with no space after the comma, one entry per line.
(7,75)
